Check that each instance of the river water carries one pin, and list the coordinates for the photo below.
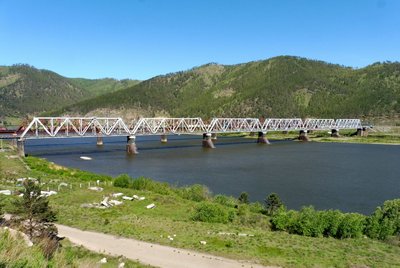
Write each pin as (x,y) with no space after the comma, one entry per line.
(349,177)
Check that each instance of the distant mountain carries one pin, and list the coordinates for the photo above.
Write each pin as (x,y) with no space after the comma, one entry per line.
(283,86)
(27,90)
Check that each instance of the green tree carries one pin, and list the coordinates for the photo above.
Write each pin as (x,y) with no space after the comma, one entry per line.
(244,198)
(273,203)
(33,212)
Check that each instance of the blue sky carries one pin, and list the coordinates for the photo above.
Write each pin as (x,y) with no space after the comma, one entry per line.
(144,38)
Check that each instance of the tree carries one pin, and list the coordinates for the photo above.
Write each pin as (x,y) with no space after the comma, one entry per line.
(244,198)
(273,203)
(34,213)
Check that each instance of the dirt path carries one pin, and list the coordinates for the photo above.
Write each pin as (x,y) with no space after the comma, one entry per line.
(147,253)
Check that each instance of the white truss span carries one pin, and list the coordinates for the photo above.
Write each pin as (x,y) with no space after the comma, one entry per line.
(95,126)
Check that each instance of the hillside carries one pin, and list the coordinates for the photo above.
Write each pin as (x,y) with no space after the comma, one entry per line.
(27,90)
(278,87)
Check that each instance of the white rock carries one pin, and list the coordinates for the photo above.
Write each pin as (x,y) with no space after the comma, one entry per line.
(127,198)
(203,242)
(5,192)
(121,265)
(117,194)
(150,206)
(103,260)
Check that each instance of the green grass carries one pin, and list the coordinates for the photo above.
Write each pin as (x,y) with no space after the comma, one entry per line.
(15,253)
(173,216)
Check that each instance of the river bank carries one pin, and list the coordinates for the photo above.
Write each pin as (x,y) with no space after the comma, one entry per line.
(247,237)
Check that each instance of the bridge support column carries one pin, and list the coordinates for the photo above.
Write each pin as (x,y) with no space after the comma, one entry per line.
(163,138)
(207,142)
(214,136)
(99,139)
(131,146)
(261,138)
(21,147)
(362,132)
(335,133)
(303,135)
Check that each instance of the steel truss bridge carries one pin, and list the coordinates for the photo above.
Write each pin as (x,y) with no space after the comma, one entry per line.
(54,127)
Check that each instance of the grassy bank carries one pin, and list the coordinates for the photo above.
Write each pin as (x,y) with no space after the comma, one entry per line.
(247,235)
(15,253)
(377,135)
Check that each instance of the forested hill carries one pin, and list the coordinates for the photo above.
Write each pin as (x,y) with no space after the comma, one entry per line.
(278,87)
(27,90)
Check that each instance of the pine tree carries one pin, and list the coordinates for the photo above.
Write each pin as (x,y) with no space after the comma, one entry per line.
(34,213)
(273,203)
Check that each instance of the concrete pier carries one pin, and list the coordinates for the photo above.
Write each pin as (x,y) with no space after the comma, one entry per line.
(164,138)
(362,132)
(262,138)
(335,133)
(99,139)
(207,141)
(131,148)
(21,147)
(303,135)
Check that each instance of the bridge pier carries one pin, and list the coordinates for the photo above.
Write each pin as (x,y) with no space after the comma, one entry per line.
(99,139)
(335,133)
(262,138)
(164,138)
(21,147)
(207,141)
(131,145)
(362,132)
(303,136)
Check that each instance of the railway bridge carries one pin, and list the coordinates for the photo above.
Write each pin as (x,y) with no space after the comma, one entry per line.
(62,127)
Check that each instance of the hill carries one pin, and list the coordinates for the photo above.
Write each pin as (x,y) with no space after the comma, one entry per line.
(27,90)
(278,87)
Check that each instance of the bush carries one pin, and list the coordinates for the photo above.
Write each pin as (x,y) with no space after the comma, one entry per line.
(244,198)
(211,212)
(385,221)
(195,192)
(224,200)
(332,220)
(351,226)
(284,220)
(122,181)
(310,222)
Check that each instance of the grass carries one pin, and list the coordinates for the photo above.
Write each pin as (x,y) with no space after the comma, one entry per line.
(173,216)
(15,253)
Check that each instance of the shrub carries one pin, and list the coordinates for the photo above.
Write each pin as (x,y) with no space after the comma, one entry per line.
(122,181)
(195,192)
(385,221)
(332,220)
(224,200)
(309,222)
(243,198)
(284,220)
(351,226)
(143,183)
(211,212)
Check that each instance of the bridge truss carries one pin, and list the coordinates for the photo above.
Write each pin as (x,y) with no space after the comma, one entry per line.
(42,127)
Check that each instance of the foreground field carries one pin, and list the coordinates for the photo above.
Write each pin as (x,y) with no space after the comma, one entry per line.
(247,236)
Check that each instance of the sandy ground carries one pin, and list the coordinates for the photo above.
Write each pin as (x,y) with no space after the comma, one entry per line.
(147,253)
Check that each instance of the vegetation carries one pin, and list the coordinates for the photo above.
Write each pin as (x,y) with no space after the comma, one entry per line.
(25,90)
(230,228)
(33,213)
(277,87)
(15,253)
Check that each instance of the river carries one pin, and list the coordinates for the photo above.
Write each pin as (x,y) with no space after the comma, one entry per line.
(349,177)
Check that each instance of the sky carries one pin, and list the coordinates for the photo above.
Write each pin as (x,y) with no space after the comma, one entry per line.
(140,39)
